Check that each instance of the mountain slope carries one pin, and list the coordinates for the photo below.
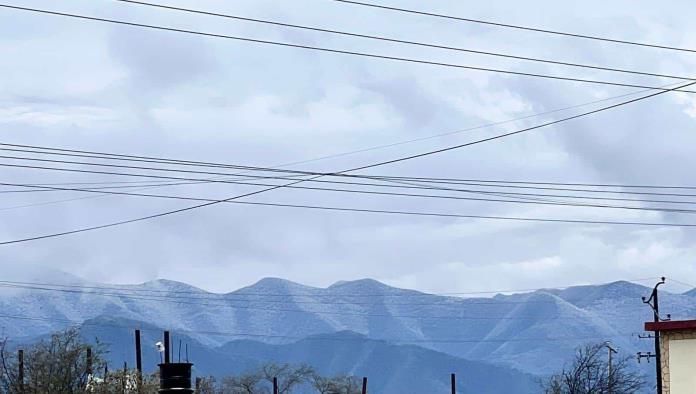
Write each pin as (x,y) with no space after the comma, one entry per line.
(534,332)
(390,368)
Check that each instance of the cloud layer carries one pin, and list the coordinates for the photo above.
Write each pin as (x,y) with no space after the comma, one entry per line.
(86,85)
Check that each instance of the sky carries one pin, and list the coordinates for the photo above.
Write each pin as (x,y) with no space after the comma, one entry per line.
(87,85)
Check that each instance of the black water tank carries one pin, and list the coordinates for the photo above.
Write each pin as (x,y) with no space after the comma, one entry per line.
(175,378)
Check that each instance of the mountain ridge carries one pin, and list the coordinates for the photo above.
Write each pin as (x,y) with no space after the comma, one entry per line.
(528,331)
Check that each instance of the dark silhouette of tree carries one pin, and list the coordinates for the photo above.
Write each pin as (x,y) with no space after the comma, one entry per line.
(341,384)
(589,373)
(55,365)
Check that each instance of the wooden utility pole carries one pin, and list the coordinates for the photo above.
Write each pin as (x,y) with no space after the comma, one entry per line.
(89,361)
(20,362)
(453,380)
(655,305)
(364,386)
(275,385)
(138,362)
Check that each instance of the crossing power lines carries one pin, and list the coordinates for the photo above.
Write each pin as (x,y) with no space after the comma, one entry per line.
(344,52)
(378,164)
(513,26)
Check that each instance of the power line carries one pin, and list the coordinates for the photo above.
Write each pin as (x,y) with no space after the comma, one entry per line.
(317,337)
(419,180)
(453,180)
(190,162)
(341,51)
(38,187)
(499,136)
(400,41)
(518,27)
(166,299)
(226,302)
(362,210)
(402,293)
(368,192)
(445,301)
(190,301)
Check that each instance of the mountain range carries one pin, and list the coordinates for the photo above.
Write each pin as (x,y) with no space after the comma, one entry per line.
(521,336)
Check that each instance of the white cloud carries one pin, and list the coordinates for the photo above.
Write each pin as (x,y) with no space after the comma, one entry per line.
(91,86)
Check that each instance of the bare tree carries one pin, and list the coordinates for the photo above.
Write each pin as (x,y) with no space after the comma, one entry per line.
(288,376)
(589,373)
(207,386)
(55,365)
(248,383)
(341,384)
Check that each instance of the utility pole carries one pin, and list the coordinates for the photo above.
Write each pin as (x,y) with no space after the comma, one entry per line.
(364,385)
(20,377)
(655,306)
(610,373)
(453,383)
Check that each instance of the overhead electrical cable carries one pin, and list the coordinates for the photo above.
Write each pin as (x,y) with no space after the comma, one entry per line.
(286,310)
(382,211)
(422,181)
(341,51)
(410,157)
(318,337)
(478,199)
(245,292)
(402,41)
(230,298)
(45,188)
(518,27)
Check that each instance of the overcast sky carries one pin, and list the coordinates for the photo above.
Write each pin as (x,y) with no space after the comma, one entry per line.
(87,85)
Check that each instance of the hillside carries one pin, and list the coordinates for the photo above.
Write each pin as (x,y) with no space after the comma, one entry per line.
(534,332)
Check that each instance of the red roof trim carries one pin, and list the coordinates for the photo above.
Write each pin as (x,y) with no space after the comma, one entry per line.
(671,325)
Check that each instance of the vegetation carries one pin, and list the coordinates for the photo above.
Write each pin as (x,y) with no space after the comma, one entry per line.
(589,373)
(61,365)
(290,379)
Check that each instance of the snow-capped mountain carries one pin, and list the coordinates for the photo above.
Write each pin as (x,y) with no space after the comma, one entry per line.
(533,332)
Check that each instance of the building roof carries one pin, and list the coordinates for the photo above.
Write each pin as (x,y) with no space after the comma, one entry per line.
(671,325)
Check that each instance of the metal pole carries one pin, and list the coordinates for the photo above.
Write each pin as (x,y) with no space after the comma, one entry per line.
(454,384)
(138,362)
(655,305)
(166,347)
(364,387)
(658,359)
(20,377)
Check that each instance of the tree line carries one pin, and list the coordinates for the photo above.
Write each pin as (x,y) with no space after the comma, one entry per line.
(66,364)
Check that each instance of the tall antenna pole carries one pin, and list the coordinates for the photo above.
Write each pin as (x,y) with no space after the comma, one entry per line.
(610,372)
(655,305)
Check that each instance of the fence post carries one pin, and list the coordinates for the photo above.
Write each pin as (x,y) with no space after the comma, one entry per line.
(89,361)
(138,363)
(20,377)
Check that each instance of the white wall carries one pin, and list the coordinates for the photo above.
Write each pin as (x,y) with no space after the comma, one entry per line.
(682,366)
